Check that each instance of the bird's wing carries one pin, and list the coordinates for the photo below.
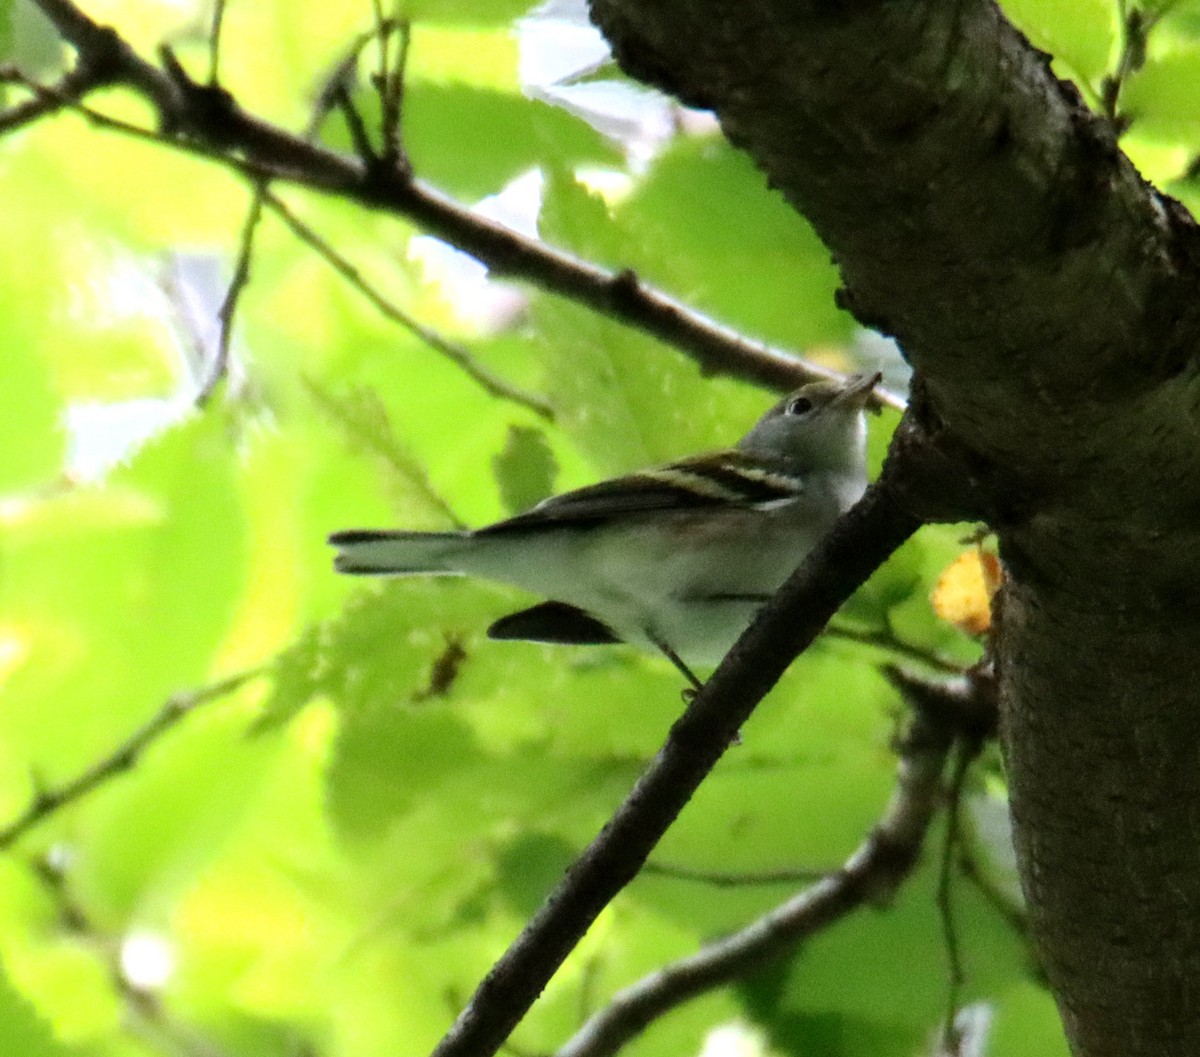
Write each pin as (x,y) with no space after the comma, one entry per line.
(724,479)
(553,622)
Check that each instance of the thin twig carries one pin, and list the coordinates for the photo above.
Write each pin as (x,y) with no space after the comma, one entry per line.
(70,88)
(251,170)
(48,802)
(956,973)
(391,98)
(1013,913)
(359,136)
(241,277)
(733,879)
(489,381)
(872,873)
(888,641)
(214,43)
(1136,24)
(340,76)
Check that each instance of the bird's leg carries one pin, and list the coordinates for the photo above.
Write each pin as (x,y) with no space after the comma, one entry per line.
(665,649)
(690,692)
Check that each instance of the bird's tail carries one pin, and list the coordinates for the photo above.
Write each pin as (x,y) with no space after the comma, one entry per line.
(375,552)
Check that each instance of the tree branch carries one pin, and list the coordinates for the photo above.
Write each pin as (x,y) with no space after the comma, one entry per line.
(72,87)
(122,759)
(456,354)
(731,878)
(871,875)
(103,49)
(209,116)
(886,640)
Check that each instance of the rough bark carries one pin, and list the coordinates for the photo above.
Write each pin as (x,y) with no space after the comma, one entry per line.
(1045,293)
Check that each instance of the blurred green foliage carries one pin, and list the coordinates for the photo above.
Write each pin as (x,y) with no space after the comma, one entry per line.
(333,856)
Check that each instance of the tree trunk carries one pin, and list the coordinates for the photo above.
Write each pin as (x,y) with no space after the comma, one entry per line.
(1046,296)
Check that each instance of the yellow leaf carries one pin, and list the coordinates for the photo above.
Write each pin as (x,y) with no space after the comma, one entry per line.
(963,594)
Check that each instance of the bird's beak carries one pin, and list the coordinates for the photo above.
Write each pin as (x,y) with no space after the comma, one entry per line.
(857,391)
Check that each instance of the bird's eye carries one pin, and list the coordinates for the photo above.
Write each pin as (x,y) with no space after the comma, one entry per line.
(800,406)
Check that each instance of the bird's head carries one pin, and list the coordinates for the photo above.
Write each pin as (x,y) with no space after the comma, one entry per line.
(818,427)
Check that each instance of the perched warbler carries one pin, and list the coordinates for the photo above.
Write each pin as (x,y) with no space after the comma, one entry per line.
(679,557)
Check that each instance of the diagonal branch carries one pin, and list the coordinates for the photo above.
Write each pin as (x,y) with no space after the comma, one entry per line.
(218,128)
(873,872)
(72,87)
(104,49)
(455,353)
(122,759)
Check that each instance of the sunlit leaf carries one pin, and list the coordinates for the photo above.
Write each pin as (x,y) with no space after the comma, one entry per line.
(23,1031)
(1079,32)
(472,141)
(32,411)
(732,263)
(963,593)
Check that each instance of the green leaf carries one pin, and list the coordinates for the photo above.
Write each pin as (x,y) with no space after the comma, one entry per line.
(626,401)
(31,42)
(32,412)
(802,1031)
(191,568)
(22,1030)
(6,33)
(890,585)
(471,141)
(190,796)
(754,262)
(1079,33)
(123,593)
(530,866)
(470,12)
(578,218)
(525,469)
(363,419)
(390,757)
(379,652)
(1027,1021)
(1162,97)
(816,740)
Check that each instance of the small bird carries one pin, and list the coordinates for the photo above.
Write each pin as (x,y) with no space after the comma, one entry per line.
(677,558)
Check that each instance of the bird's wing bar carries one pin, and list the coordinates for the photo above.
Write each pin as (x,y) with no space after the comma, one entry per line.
(727,479)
